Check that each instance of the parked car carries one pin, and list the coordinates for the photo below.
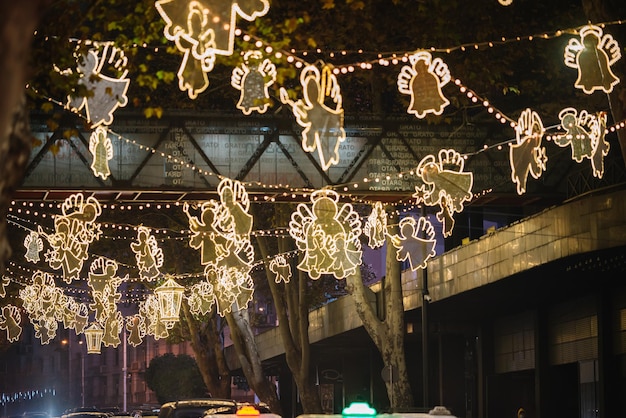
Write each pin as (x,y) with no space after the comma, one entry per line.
(198,408)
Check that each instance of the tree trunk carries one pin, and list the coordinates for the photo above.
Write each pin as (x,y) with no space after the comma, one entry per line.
(248,355)
(387,334)
(17,24)
(207,346)
(598,11)
(292,309)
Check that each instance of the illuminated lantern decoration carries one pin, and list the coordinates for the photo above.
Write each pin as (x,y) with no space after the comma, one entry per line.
(109,92)
(323,125)
(34,245)
(93,338)
(445,184)
(527,155)
(101,149)
(170,296)
(585,133)
(202,30)
(376,226)
(593,56)
(328,235)
(415,243)
(281,269)
(423,81)
(253,78)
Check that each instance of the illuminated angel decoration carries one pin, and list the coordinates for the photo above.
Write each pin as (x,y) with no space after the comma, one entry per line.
(423,81)
(415,243)
(585,133)
(253,78)
(149,310)
(4,282)
(34,245)
(319,113)
(10,320)
(40,300)
(201,298)
(75,229)
(148,254)
(593,56)
(101,149)
(236,203)
(445,184)
(104,284)
(375,228)
(112,327)
(328,236)
(205,235)
(281,269)
(527,155)
(109,92)
(201,30)
(136,327)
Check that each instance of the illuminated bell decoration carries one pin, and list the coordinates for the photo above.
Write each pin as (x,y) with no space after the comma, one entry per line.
(93,337)
(593,56)
(170,296)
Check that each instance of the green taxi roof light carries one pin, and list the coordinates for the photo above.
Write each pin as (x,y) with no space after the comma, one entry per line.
(358,409)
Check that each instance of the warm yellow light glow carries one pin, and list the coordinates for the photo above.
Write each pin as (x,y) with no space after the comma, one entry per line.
(101,149)
(415,243)
(93,337)
(423,80)
(527,155)
(252,78)
(170,295)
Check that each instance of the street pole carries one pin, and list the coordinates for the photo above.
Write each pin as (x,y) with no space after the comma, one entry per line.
(125,370)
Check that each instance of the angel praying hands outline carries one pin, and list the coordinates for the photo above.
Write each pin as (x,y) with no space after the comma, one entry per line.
(109,93)
(202,30)
(328,235)
(148,254)
(413,247)
(101,149)
(526,154)
(253,78)
(593,56)
(423,81)
(584,132)
(445,184)
(323,125)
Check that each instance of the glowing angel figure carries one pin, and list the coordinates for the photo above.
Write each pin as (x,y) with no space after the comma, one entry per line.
(593,56)
(423,81)
(101,148)
(328,236)
(585,133)
(4,282)
(253,78)
(281,269)
(75,229)
(323,125)
(201,30)
(445,184)
(112,328)
(527,155)
(136,327)
(201,298)
(81,317)
(205,235)
(109,93)
(416,242)
(148,254)
(10,320)
(376,226)
(235,219)
(102,278)
(149,310)
(34,245)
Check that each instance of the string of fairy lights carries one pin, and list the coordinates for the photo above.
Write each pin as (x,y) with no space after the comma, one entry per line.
(20,274)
